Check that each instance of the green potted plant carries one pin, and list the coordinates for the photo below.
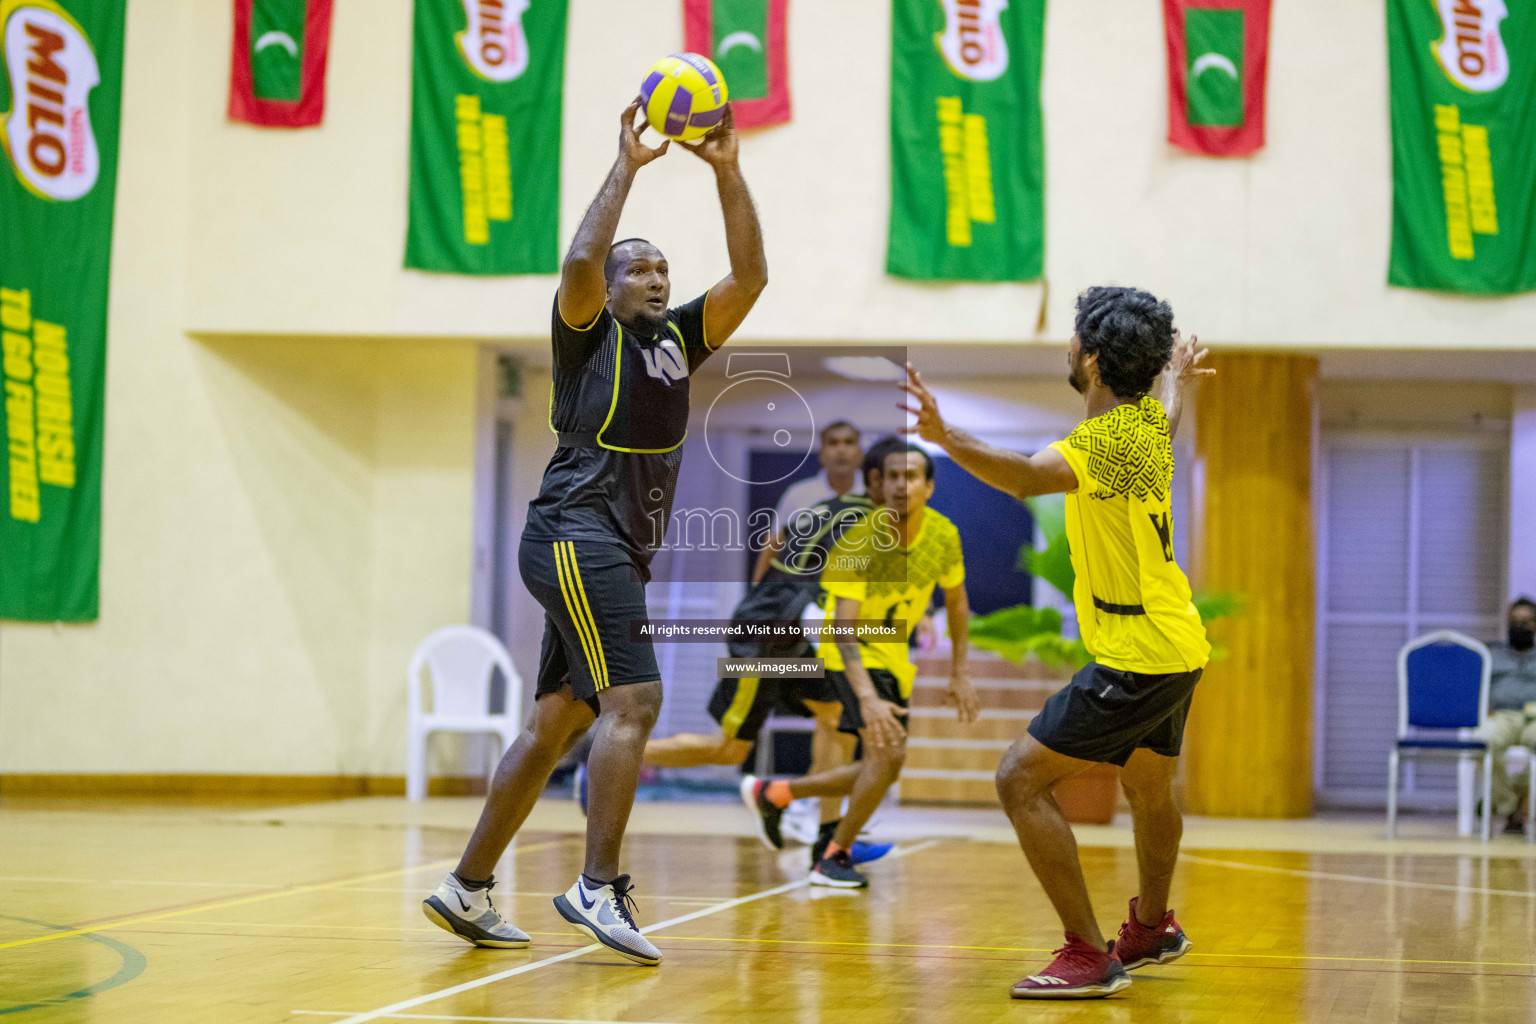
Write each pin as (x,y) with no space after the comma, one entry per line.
(1022,632)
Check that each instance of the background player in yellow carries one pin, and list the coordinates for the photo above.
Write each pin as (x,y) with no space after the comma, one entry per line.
(884,570)
(1128,706)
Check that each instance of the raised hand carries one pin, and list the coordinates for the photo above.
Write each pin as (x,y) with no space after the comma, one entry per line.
(1184,364)
(930,426)
(718,148)
(634,152)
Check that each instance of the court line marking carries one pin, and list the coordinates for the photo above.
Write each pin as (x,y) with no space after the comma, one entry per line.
(1332,877)
(297,890)
(132,964)
(393,1010)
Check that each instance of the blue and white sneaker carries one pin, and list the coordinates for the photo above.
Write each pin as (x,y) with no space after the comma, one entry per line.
(606,914)
(838,872)
(579,786)
(471,916)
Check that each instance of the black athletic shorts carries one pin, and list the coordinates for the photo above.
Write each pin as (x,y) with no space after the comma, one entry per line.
(1104,714)
(741,706)
(591,592)
(886,688)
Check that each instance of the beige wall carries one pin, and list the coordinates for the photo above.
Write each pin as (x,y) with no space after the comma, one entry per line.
(291,416)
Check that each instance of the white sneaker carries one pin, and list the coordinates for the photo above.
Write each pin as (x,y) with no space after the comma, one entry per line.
(604,914)
(802,819)
(471,915)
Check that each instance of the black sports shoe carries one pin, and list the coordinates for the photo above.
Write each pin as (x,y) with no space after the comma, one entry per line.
(838,871)
(769,815)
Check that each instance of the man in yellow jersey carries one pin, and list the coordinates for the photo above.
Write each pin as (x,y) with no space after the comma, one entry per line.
(881,570)
(1128,706)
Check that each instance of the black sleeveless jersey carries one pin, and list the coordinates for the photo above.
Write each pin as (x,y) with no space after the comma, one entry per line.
(810,535)
(619,406)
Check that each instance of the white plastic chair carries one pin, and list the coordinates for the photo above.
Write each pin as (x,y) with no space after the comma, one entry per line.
(463,660)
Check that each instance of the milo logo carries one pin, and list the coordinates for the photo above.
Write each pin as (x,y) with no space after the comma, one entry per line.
(972,42)
(494,45)
(1472,50)
(52,70)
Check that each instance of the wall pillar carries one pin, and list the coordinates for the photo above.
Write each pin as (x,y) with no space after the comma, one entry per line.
(1248,749)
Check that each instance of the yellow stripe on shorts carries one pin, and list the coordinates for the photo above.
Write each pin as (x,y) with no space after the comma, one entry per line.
(568,591)
(597,638)
(741,703)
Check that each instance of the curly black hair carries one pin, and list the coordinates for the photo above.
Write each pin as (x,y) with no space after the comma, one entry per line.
(1131,331)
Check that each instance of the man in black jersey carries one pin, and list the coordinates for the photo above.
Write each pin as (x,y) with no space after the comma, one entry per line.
(622,361)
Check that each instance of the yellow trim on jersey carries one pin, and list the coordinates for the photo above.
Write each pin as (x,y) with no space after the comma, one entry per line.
(584,628)
(581,590)
(704,323)
(613,403)
(741,703)
(561,314)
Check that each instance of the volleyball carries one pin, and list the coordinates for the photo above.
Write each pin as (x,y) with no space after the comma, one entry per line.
(684,96)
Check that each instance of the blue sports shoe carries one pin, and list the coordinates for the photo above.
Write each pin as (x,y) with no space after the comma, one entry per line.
(863,853)
(579,784)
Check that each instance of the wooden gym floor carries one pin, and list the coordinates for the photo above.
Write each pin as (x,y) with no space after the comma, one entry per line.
(130,913)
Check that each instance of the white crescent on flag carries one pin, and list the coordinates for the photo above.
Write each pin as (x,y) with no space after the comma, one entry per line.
(282,39)
(1206,61)
(736,39)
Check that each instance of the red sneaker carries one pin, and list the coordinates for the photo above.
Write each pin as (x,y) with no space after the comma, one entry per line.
(1080,971)
(1139,945)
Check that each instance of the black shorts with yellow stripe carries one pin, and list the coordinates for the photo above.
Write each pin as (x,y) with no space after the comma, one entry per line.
(591,591)
(741,706)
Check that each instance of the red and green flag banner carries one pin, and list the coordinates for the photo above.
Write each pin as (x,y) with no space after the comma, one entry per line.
(61,71)
(747,40)
(1463,78)
(486,84)
(1217,54)
(967,153)
(277,69)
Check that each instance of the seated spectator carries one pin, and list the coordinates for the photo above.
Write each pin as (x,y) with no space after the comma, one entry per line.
(1512,705)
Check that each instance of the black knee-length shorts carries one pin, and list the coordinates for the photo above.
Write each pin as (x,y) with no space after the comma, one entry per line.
(590,592)
(1104,714)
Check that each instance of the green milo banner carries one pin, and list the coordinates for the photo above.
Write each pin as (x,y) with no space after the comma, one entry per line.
(1463,145)
(486,86)
(967,154)
(60,90)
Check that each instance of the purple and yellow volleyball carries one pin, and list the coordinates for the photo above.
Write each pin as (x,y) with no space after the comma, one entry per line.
(684,96)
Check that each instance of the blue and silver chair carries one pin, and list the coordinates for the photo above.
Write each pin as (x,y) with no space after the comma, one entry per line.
(1442,686)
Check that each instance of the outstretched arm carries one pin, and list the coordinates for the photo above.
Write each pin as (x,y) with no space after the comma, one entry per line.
(732,298)
(1023,476)
(582,288)
(1183,370)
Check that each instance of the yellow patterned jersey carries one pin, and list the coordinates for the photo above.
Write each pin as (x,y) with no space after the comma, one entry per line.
(891,583)
(1133,601)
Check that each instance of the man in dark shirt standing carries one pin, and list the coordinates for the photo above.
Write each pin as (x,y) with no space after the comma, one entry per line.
(622,361)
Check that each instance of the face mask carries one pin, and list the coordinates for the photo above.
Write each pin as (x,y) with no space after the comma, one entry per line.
(1521,637)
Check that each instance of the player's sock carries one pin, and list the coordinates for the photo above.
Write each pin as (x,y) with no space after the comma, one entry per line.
(823,837)
(777,793)
(470,885)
